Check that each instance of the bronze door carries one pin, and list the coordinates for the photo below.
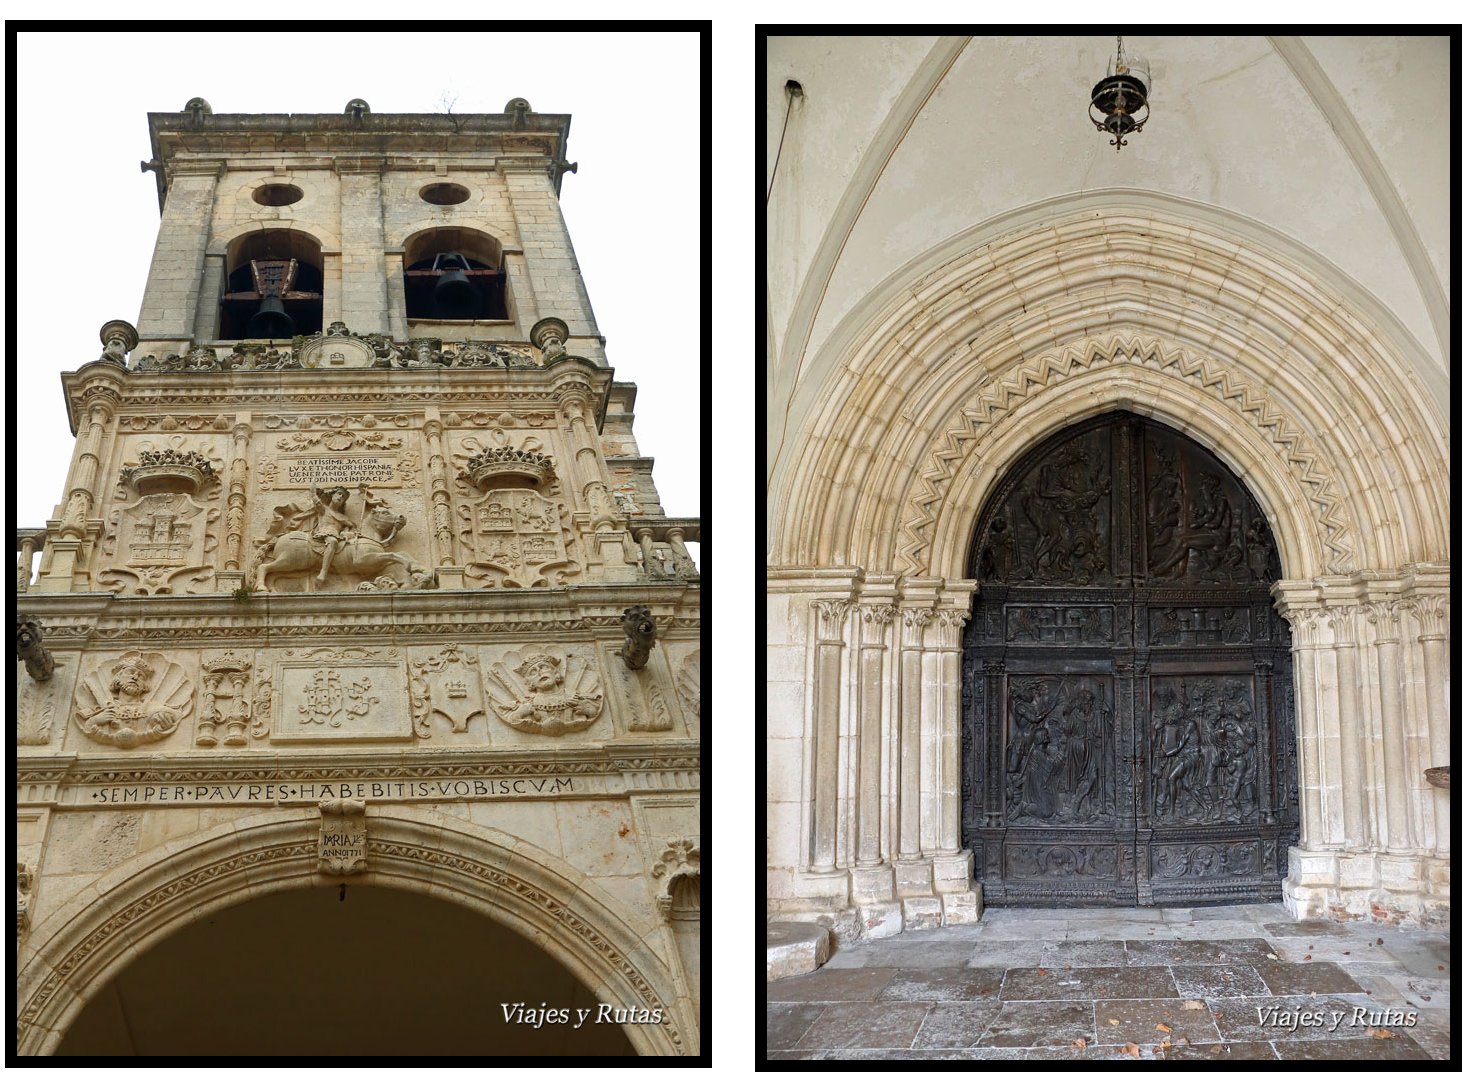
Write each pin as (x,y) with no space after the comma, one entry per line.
(1127,732)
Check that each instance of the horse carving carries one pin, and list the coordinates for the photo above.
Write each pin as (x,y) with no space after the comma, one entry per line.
(324,536)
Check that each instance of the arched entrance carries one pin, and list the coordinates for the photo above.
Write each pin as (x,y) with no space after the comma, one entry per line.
(69,959)
(1127,726)
(357,969)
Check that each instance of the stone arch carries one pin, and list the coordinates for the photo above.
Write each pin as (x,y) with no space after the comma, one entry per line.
(1336,394)
(481,240)
(95,935)
(221,242)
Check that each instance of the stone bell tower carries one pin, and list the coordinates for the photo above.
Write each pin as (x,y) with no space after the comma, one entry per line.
(358,565)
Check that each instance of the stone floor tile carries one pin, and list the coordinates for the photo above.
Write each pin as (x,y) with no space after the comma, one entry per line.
(1340,951)
(1084,954)
(1208,930)
(1086,983)
(788,1022)
(1427,959)
(1040,1023)
(870,1026)
(793,1055)
(894,952)
(1398,1048)
(944,984)
(1220,1051)
(1053,929)
(1306,978)
(956,1024)
(1246,950)
(1006,954)
(1312,927)
(1094,929)
(830,984)
(1188,1020)
(1292,1017)
(1221,980)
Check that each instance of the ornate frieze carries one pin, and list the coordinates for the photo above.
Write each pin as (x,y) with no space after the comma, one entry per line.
(133,700)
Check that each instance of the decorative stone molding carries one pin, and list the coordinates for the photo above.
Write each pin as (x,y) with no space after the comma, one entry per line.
(24,880)
(832,619)
(1002,396)
(133,700)
(680,859)
(687,683)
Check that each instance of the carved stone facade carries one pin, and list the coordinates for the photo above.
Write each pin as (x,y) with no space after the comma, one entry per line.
(350,605)
(916,364)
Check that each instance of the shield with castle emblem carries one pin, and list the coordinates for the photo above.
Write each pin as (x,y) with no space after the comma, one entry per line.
(517,538)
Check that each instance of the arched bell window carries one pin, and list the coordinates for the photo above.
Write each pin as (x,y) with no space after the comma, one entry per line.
(273,286)
(454,274)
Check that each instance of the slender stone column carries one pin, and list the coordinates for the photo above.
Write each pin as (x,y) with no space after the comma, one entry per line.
(82,487)
(575,399)
(945,731)
(1351,732)
(876,625)
(439,489)
(1306,683)
(235,501)
(832,617)
(911,697)
(1387,651)
(1430,613)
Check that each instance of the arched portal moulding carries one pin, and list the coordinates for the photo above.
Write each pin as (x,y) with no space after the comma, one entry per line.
(1257,332)
(1310,402)
(93,937)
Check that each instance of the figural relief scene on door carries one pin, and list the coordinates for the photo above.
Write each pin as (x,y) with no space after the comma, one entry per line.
(1127,728)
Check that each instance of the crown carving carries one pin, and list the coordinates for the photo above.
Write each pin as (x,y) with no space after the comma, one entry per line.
(487,466)
(229,662)
(168,471)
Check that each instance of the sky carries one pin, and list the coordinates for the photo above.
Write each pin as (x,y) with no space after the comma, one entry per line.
(88,216)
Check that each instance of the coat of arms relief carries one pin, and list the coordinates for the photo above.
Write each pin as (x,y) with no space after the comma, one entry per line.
(161,538)
(517,533)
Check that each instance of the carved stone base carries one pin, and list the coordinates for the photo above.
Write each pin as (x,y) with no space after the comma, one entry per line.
(869,886)
(961,908)
(914,878)
(922,913)
(1397,889)
(954,873)
(881,920)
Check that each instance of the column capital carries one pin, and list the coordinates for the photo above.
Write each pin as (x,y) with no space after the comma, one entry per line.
(915,621)
(832,616)
(877,618)
(1430,613)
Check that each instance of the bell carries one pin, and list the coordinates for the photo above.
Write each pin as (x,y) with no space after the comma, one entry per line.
(270,321)
(455,296)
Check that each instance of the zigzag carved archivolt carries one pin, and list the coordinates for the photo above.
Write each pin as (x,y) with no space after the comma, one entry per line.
(1001,397)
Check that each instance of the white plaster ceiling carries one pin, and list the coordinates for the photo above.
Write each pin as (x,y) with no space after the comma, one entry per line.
(1338,144)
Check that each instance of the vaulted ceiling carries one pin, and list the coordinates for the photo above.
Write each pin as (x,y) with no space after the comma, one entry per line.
(1333,151)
